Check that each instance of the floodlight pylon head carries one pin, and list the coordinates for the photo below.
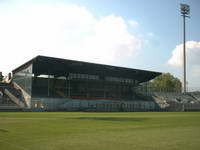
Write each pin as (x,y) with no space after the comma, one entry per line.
(185,9)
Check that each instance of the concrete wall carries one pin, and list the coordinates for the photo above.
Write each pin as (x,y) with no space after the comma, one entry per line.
(56,104)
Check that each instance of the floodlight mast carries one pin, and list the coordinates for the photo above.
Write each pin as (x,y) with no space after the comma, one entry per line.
(185,11)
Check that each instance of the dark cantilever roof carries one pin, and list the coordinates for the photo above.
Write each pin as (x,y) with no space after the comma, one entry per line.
(60,67)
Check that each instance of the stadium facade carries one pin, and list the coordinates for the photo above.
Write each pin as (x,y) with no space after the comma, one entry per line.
(53,84)
(60,84)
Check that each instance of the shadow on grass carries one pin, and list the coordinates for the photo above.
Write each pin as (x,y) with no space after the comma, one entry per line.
(3,130)
(110,118)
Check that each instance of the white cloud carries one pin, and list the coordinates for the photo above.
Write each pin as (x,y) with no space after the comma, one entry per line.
(192,61)
(133,22)
(111,40)
(60,30)
(192,53)
(196,71)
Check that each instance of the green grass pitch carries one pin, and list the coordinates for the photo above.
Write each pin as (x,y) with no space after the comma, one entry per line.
(99,131)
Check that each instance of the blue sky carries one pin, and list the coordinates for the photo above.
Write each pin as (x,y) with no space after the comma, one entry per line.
(138,34)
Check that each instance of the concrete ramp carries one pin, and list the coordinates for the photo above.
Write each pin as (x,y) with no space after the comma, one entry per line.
(25,95)
(160,102)
(14,98)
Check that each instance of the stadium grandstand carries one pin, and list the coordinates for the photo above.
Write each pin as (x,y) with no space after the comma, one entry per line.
(54,84)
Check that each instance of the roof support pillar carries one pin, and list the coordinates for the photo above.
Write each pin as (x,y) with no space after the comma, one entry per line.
(48,86)
(69,87)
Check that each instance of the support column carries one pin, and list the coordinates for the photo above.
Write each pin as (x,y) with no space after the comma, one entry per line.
(48,86)
(104,90)
(68,87)
(184,57)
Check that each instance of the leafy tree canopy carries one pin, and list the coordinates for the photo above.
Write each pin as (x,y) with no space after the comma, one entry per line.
(166,82)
